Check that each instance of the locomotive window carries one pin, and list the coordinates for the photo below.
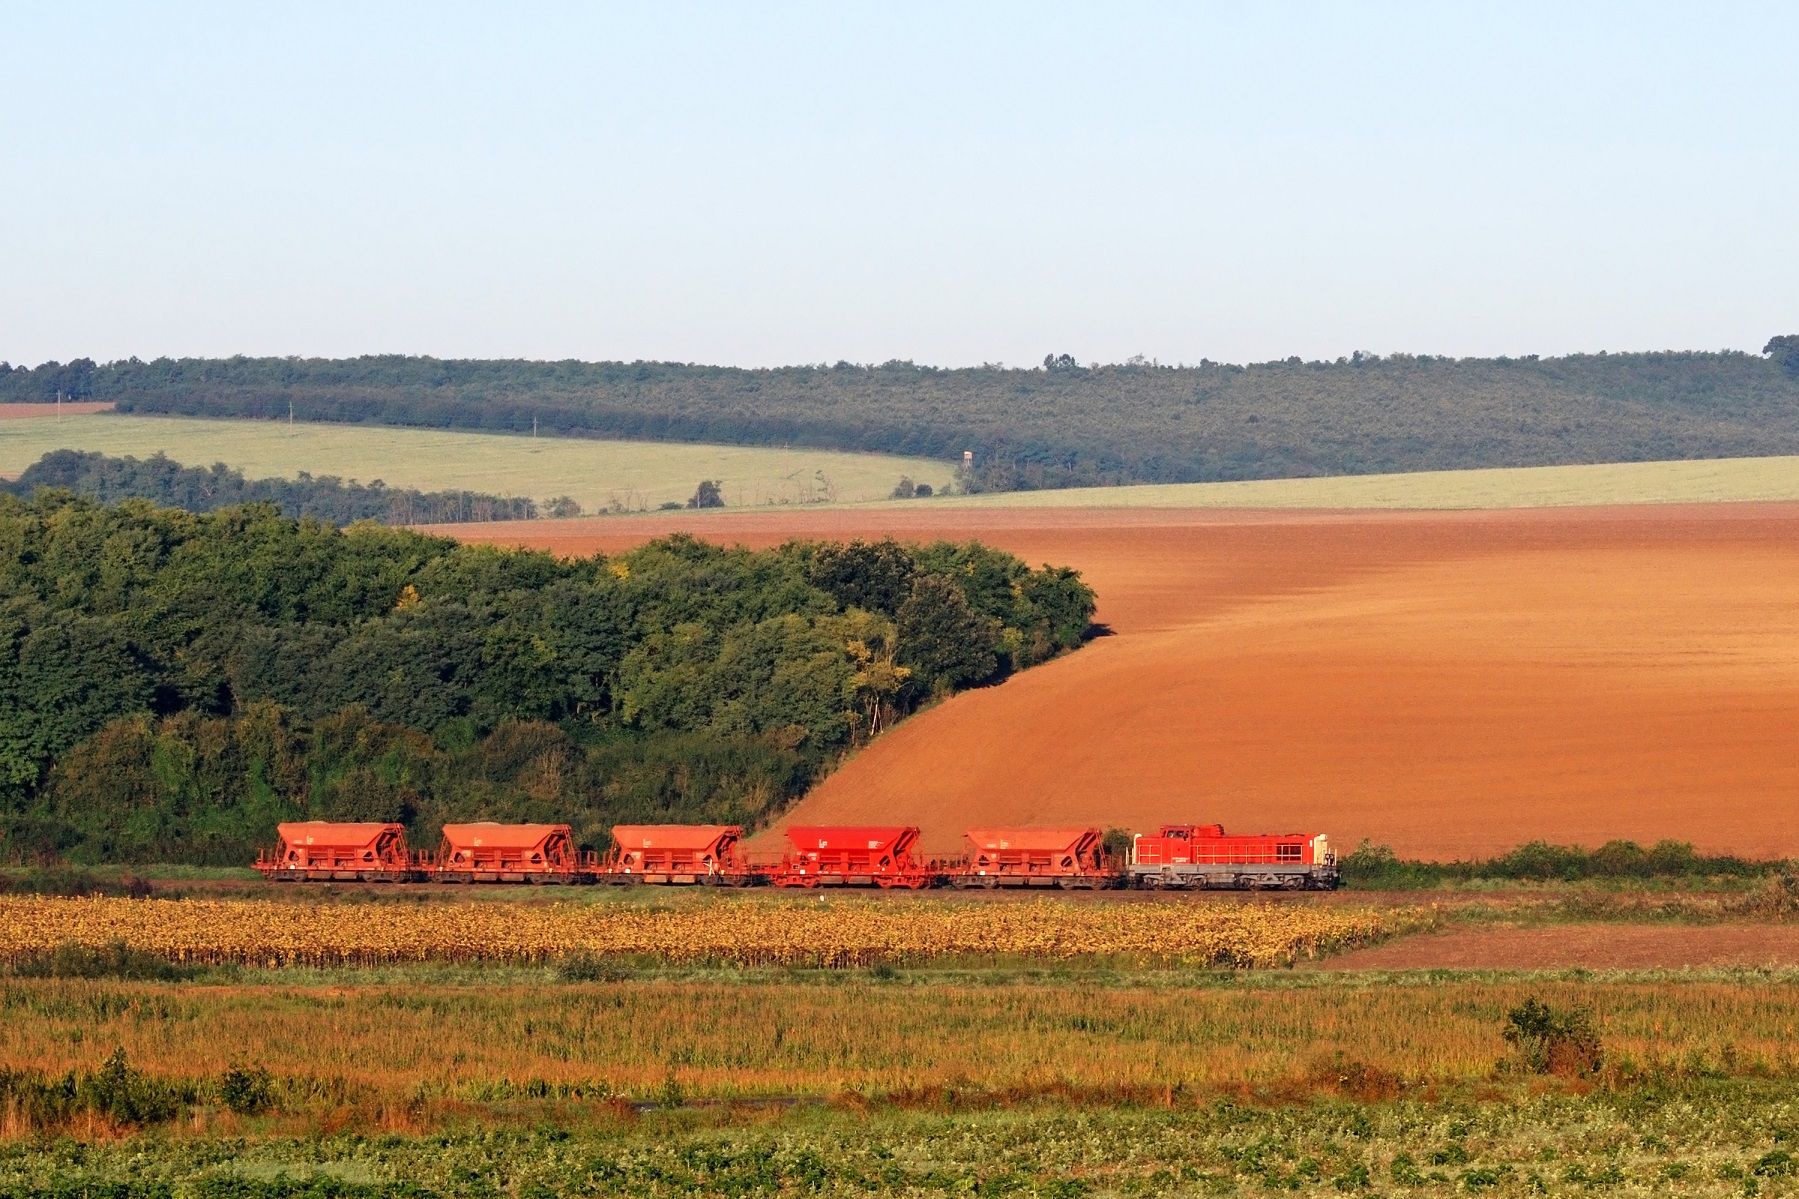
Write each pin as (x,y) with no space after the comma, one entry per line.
(1289,852)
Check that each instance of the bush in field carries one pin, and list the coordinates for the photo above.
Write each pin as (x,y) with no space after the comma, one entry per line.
(707,495)
(126,1095)
(114,1091)
(1548,1040)
(247,1090)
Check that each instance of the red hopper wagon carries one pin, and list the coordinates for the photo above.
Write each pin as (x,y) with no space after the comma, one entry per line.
(1202,855)
(1033,857)
(317,850)
(677,853)
(509,853)
(852,855)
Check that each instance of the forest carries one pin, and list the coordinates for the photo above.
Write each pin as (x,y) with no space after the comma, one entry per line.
(1062,423)
(162,480)
(173,684)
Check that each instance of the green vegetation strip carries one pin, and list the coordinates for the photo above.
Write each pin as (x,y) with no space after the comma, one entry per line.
(161,480)
(1716,1140)
(602,476)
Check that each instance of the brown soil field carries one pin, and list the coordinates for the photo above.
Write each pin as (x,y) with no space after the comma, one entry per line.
(69,408)
(1589,946)
(1451,684)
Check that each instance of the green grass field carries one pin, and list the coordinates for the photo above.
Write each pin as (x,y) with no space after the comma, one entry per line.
(1704,481)
(602,475)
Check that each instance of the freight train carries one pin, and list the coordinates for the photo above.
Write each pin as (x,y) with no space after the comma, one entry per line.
(1175,857)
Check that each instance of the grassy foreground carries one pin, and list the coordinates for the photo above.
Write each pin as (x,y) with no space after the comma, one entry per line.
(433,1047)
(573,1060)
(869,1085)
(1711,1140)
(601,475)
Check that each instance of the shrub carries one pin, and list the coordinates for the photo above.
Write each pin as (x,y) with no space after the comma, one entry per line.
(1116,844)
(126,1095)
(247,1091)
(1547,1040)
(1377,867)
(591,968)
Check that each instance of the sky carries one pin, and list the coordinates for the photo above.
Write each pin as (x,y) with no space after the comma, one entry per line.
(769,183)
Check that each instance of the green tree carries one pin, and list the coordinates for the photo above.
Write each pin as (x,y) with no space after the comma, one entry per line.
(707,495)
(173,685)
(943,641)
(875,576)
(1785,350)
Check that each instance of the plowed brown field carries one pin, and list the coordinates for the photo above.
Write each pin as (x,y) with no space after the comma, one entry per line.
(1451,684)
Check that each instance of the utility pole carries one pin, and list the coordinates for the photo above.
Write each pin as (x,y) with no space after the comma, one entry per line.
(534,426)
(290,414)
(59,403)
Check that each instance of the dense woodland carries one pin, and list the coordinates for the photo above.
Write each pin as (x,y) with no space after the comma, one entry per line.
(162,480)
(1062,423)
(173,684)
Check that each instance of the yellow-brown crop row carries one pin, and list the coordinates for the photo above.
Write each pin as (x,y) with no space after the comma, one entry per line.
(837,932)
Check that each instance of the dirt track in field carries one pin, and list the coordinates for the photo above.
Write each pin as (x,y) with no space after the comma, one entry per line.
(1451,684)
(68,408)
(1589,946)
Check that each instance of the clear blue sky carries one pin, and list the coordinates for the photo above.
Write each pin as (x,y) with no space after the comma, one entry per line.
(770,183)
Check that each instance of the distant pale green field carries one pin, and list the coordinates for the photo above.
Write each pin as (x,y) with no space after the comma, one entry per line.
(635,476)
(625,475)
(1707,481)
